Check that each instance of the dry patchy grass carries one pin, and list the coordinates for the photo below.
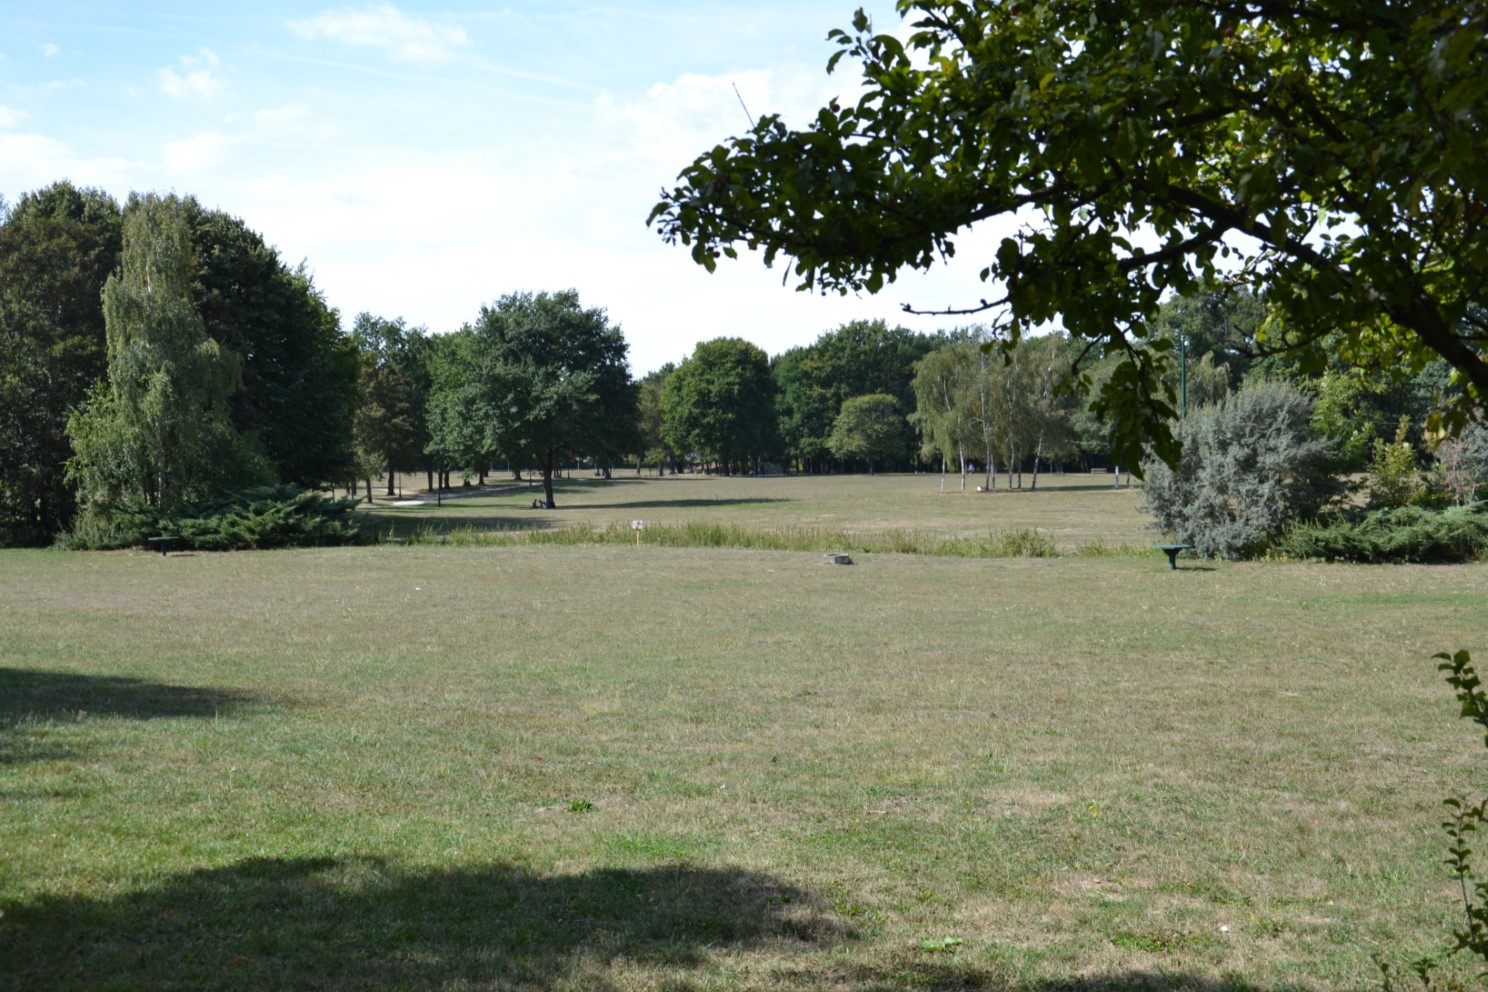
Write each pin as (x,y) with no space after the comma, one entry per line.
(612,767)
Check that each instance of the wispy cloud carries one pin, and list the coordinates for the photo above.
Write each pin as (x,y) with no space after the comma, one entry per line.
(255,132)
(198,76)
(8,117)
(385,27)
(672,122)
(50,50)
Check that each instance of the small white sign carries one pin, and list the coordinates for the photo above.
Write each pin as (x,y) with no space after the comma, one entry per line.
(637,524)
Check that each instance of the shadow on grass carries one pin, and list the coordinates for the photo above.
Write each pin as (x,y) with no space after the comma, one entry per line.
(404,522)
(51,695)
(334,923)
(683,503)
(331,923)
(30,699)
(939,977)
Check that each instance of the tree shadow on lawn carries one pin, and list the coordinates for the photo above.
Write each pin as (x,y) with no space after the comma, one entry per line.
(681,503)
(31,698)
(333,923)
(938,977)
(360,923)
(402,523)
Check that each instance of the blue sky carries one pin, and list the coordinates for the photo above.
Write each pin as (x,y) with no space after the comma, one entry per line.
(425,160)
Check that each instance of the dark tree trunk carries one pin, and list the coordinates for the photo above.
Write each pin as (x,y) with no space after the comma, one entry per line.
(547,474)
(391,473)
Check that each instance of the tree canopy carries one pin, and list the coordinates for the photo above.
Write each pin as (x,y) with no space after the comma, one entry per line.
(857,359)
(1331,156)
(299,393)
(537,378)
(57,247)
(391,422)
(719,403)
(870,428)
(158,432)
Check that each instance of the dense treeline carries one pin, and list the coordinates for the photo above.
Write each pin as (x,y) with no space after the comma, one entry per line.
(158,353)
(293,389)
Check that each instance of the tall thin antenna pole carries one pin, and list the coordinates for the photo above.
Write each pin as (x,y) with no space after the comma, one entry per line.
(741,103)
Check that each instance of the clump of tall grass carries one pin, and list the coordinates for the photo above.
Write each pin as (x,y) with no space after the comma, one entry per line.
(1013,543)
(1100,549)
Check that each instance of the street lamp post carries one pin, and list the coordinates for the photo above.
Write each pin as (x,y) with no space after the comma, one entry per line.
(1183,373)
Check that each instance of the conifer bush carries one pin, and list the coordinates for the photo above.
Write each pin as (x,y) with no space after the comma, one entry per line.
(1251,465)
(262,517)
(1404,534)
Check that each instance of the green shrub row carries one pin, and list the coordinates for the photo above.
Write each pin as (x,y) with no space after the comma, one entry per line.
(275,516)
(1403,534)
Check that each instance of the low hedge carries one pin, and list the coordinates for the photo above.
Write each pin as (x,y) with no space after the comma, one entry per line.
(277,516)
(1404,534)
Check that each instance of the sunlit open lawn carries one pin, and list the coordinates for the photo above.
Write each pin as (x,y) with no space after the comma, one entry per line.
(424,767)
(1073,509)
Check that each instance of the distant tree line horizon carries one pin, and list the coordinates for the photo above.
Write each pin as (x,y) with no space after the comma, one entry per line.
(158,351)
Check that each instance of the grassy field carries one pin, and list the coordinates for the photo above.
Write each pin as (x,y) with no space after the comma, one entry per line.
(1073,510)
(552,768)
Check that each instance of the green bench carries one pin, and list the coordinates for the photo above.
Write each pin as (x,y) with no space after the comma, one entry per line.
(1171,550)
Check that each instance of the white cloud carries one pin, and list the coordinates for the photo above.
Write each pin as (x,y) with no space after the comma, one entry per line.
(8,117)
(675,122)
(257,133)
(197,154)
(386,27)
(276,119)
(198,76)
(50,50)
(31,161)
(645,140)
